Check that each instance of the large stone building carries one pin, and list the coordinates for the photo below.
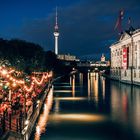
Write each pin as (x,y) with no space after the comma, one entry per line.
(125,57)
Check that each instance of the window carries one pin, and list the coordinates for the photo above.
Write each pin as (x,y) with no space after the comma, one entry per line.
(135,74)
(125,73)
(116,72)
(135,47)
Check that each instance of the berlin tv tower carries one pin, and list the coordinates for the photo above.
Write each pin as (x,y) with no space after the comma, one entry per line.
(56,34)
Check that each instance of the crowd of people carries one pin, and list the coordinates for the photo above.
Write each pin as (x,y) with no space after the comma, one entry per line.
(15,104)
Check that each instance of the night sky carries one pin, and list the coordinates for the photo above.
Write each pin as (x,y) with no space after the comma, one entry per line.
(86,26)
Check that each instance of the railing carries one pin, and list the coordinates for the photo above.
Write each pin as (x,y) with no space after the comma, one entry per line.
(35,115)
(9,123)
(15,122)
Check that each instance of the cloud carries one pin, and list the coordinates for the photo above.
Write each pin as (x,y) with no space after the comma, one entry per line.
(86,27)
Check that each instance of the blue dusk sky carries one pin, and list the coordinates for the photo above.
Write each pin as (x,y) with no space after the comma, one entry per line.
(86,26)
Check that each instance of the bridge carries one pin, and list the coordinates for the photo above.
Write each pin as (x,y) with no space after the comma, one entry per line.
(84,66)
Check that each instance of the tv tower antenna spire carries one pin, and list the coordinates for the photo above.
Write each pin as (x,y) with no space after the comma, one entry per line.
(56,33)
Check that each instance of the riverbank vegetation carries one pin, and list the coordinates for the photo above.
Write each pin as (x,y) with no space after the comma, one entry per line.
(27,56)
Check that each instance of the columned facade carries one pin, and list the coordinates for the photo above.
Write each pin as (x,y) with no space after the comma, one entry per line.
(125,58)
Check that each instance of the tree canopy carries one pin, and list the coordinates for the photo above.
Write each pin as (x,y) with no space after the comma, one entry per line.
(24,55)
(28,57)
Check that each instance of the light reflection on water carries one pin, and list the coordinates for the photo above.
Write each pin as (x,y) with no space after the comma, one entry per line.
(89,99)
(70,98)
(125,105)
(78,118)
(43,119)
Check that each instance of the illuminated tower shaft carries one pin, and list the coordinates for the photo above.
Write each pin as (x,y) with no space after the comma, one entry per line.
(56,42)
(56,34)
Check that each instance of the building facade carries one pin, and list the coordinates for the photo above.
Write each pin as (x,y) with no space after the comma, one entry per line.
(67,57)
(102,58)
(102,62)
(125,58)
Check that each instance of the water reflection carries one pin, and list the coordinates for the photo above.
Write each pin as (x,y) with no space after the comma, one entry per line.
(73,85)
(43,119)
(125,105)
(70,98)
(95,87)
(78,118)
(103,86)
(57,106)
(81,79)
(89,84)
(92,99)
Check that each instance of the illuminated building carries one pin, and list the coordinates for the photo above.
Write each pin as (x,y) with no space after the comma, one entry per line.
(125,57)
(102,62)
(102,58)
(56,34)
(67,57)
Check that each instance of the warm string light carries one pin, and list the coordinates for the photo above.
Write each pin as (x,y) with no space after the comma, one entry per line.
(29,89)
(6,73)
(11,71)
(14,80)
(38,82)
(44,77)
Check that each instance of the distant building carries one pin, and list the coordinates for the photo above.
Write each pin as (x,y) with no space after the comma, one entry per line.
(67,57)
(102,62)
(125,57)
(102,58)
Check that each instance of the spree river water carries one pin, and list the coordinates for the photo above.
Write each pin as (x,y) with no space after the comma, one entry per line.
(90,107)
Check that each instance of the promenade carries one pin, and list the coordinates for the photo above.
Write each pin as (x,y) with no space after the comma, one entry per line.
(20,95)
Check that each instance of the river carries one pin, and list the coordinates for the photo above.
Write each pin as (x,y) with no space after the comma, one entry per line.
(90,107)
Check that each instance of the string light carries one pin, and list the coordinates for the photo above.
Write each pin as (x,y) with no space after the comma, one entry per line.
(14,84)
(29,89)
(4,72)
(7,74)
